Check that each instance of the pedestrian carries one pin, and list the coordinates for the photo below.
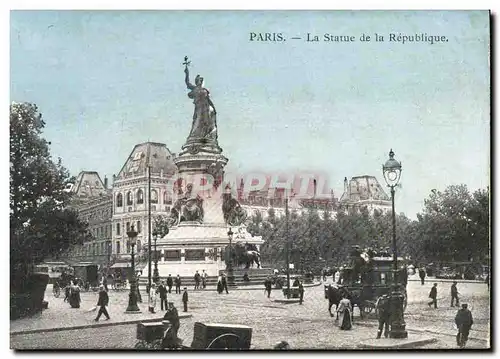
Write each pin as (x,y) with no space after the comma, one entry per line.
(74,296)
(185,299)
(433,296)
(464,322)
(454,294)
(219,284)
(137,280)
(345,310)
(268,287)
(162,290)
(246,278)
(204,277)
(421,274)
(67,292)
(301,292)
(152,298)
(102,303)
(178,285)
(170,283)
(196,280)
(224,283)
(105,282)
(384,315)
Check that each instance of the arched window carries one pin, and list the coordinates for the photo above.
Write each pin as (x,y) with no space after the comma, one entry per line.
(140,197)
(154,196)
(167,198)
(119,200)
(139,227)
(129,198)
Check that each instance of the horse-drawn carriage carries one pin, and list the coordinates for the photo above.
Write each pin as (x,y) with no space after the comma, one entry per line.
(369,275)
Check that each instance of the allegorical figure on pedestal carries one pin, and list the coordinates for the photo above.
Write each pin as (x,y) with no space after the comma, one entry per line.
(204,118)
(188,208)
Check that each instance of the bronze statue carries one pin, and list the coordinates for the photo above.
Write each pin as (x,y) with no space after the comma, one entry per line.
(188,208)
(204,125)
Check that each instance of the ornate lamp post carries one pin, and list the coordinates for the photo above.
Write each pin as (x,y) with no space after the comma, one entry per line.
(392,174)
(229,266)
(156,275)
(132,298)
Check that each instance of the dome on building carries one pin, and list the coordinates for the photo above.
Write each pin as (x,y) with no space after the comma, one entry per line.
(157,155)
(363,188)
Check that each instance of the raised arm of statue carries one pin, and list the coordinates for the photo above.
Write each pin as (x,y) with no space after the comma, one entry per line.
(188,84)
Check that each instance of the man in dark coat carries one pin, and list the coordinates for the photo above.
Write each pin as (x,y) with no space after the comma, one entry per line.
(170,283)
(464,322)
(224,283)
(301,292)
(433,296)
(384,315)
(162,290)
(102,303)
(178,285)
(185,299)
(268,286)
(421,274)
(197,280)
(454,294)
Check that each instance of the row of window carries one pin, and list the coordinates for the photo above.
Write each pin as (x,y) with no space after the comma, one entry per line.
(128,226)
(139,196)
(94,249)
(101,232)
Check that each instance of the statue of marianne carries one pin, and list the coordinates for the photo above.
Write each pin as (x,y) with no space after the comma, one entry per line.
(204,120)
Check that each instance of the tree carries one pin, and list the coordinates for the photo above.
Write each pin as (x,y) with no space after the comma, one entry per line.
(41,224)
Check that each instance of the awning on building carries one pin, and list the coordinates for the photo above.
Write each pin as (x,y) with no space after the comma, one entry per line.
(121,265)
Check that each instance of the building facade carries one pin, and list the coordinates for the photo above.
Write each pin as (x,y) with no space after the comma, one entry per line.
(364,192)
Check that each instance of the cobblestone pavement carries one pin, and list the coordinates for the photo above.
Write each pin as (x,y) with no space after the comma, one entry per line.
(303,326)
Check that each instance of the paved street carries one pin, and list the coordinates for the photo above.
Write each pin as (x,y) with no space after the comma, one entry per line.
(303,326)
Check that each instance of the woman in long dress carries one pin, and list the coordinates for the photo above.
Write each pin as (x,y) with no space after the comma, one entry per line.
(74,296)
(345,311)
(152,298)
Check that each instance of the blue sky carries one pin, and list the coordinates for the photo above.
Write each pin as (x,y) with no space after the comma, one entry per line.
(106,80)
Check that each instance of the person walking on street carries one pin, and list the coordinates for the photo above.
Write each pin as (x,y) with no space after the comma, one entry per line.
(152,298)
(139,297)
(301,292)
(162,290)
(454,294)
(384,314)
(105,282)
(464,322)
(268,286)
(421,274)
(170,283)
(204,276)
(102,303)
(197,280)
(224,283)
(219,284)
(433,296)
(185,299)
(178,284)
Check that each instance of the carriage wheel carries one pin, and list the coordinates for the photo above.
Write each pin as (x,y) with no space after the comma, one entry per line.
(225,341)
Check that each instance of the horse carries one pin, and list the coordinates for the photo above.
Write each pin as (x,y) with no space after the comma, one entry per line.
(251,257)
(334,294)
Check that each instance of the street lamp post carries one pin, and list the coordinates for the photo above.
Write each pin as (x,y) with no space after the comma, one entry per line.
(392,174)
(132,298)
(156,275)
(229,266)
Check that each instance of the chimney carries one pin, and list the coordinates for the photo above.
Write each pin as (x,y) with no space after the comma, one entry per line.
(114,178)
(105,182)
(315,186)
(345,184)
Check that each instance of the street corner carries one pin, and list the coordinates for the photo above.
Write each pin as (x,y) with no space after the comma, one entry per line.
(414,341)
